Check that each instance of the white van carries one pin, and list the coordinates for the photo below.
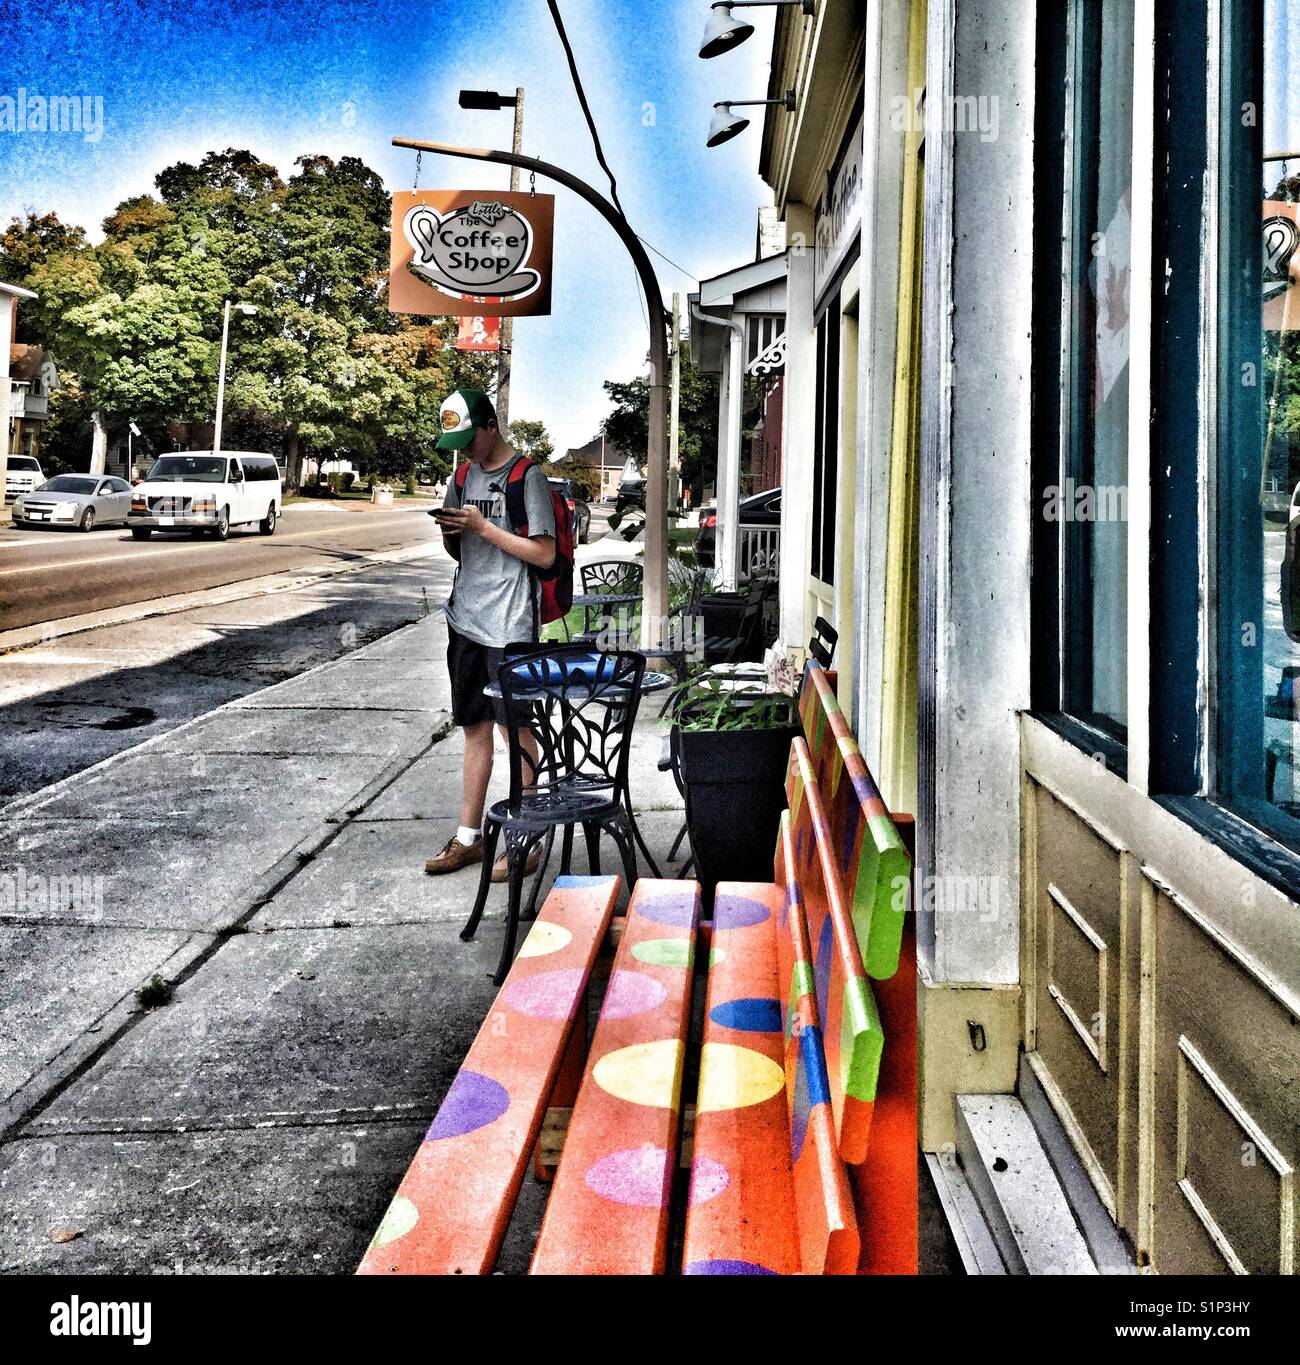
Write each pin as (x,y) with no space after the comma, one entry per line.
(22,475)
(203,493)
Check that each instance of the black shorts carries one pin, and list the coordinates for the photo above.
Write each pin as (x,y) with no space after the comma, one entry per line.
(471,666)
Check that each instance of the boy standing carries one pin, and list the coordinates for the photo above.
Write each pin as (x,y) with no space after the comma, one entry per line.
(495,600)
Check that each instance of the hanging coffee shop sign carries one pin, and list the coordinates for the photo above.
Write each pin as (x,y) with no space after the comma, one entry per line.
(451,248)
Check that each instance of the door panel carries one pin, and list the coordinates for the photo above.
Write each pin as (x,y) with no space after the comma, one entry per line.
(1078,930)
(1227,1105)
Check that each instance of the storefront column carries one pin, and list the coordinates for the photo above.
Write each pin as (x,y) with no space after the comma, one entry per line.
(799,405)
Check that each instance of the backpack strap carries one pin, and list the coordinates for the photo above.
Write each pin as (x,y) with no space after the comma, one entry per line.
(462,474)
(516,504)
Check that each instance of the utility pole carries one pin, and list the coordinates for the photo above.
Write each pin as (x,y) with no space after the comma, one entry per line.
(490,99)
(505,342)
(674,456)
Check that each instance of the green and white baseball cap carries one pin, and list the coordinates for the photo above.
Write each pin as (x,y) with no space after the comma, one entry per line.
(463,410)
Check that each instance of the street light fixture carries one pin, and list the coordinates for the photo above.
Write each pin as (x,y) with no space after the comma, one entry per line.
(248,309)
(725,124)
(487,99)
(724,32)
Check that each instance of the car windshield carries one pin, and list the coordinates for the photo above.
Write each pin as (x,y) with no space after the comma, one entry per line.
(23,462)
(190,468)
(68,483)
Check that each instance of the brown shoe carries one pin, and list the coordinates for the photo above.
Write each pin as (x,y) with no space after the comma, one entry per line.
(501,873)
(454,856)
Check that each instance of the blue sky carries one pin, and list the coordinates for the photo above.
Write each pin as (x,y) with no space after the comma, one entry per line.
(289,77)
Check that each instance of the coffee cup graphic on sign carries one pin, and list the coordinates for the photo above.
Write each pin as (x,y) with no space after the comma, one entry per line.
(479,248)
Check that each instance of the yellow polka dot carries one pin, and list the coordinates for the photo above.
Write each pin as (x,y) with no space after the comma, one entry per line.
(732,1077)
(401,1217)
(545,937)
(646,1073)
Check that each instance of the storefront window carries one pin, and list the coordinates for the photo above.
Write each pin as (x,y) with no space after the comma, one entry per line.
(826,442)
(1257,693)
(1091,500)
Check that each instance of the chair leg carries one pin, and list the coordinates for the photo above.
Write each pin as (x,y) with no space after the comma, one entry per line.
(531,912)
(491,831)
(566,852)
(677,842)
(619,830)
(591,829)
(517,851)
(686,868)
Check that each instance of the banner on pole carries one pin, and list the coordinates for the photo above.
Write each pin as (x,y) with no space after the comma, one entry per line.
(449,249)
(479,333)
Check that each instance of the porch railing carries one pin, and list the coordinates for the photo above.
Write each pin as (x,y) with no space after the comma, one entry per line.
(760,550)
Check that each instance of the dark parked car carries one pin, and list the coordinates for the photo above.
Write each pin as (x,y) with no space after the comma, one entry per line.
(572,493)
(759,509)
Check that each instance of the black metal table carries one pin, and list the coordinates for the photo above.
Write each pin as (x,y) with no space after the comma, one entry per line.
(604,604)
(650,682)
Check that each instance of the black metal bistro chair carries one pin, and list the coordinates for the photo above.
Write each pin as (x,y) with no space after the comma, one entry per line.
(578,705)
(611,578)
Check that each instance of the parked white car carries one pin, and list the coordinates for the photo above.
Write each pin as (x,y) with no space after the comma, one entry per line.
(22,475)
(203,493)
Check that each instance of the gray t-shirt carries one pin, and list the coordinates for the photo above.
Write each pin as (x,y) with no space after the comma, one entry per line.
(495,597)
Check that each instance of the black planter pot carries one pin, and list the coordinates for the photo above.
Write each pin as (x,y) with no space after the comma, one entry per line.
(735,793)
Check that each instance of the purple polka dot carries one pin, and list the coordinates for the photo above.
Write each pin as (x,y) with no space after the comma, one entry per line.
(473,1102)
(708,1179)
(546,995)
(738,912)
(637,1176)
(669,907)
(632,993)
(727,1268)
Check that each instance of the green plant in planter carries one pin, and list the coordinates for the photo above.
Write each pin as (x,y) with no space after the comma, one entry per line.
(700,705)
(732,751)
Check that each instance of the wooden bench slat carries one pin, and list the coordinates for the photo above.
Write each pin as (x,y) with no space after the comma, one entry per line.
(454,1203)
(872,853)
(740,1216)
(609,1205)
(823,1202)
(845,1000)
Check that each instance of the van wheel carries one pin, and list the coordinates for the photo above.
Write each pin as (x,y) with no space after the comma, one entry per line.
(222,529)
(141,532)
(267,524)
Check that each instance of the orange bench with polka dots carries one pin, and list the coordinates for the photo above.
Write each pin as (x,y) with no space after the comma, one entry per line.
(452,1208)
(609,1205)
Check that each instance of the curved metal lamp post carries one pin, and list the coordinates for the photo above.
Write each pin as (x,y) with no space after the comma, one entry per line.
(654,610)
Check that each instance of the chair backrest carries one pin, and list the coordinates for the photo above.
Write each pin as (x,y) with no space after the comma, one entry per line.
(824,639)
(872,855)
(612,576)
(808,866)
(579,705)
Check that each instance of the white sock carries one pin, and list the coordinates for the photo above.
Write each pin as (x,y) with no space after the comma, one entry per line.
(465,835)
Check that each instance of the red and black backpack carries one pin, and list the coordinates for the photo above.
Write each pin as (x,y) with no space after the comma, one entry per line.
(557,581)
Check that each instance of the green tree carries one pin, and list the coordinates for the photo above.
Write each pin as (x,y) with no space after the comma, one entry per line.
(530,438)
(323,367)
(627,426)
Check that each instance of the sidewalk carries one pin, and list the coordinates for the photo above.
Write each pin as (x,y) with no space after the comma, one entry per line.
(267,858)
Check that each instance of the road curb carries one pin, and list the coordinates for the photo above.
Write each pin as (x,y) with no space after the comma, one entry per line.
(25,637)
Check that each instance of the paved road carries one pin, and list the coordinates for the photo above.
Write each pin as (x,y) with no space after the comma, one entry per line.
(49,574)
